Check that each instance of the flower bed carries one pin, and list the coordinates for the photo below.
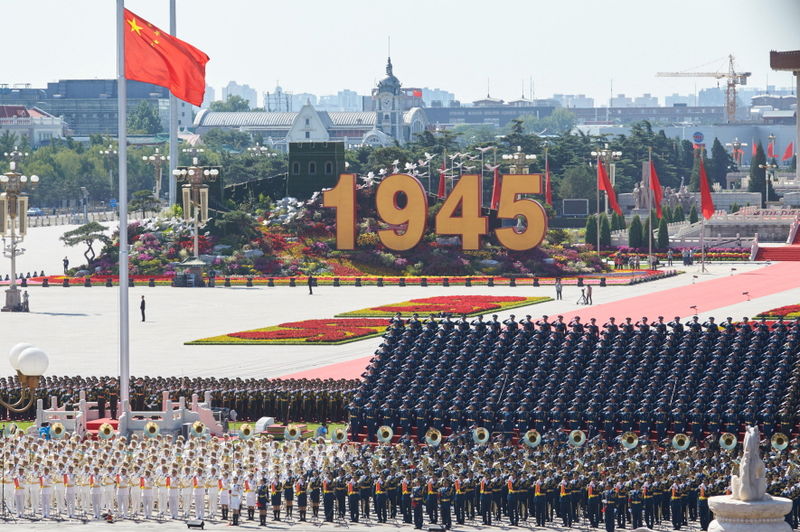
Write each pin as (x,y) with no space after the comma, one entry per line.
(787,312)
(712,254)
(469,305)
(316,332)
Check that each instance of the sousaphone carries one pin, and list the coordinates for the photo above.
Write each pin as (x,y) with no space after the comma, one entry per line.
(480,435)
(433,437)
(57,430)
(385,434)
(532,438)
(197,429)
(681,442)
(151,429)
(629,440)
(779,441)
(291,432)
(246,431)
(576,438)
(339,435)
(106,431)
(727,441)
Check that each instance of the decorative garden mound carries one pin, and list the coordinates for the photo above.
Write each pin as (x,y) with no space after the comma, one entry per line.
(317,332)
(469,305)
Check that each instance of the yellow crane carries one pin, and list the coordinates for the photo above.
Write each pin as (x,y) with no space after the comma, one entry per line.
(733,78)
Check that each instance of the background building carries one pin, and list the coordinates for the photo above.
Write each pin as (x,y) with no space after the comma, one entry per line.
(243,91)
(38,126)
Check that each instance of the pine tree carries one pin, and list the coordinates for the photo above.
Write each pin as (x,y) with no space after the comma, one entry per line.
(614,222)
(621,222)
(605,231)
(721,160)
(635,233)
(758,176)
(693,215)
(663,234)
(678,215)
(647,234)
(666,213)
(591,231)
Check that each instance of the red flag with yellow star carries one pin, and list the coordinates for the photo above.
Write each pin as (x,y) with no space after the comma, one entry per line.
(154,56)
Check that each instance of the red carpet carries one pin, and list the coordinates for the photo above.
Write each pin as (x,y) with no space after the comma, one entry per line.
(707,295)
(780,253)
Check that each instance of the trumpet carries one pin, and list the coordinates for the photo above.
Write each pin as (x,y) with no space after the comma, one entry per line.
(151,429)
(480,435)
(433,437)
(106,431)
(532,438)
(385,434)
(246,431)
(779,441)
(680,442)
(291,432)
(727,441)
(57,430)
(629,440)
(577,438)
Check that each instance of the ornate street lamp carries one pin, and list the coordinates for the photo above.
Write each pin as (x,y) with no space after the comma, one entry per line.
(769,176)
(110,154)
(520,162)
(156,160)
(607,157)
(195,194)
(261,151)
(13,207)
(30,363)
(736,148)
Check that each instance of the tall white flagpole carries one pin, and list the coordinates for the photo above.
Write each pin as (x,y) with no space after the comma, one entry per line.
(173,122)
(122,137)
(649,209)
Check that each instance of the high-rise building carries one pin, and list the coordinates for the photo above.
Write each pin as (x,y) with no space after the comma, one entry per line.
(680,99)
(645,100)
(714,96)
(208,97)
(620,100)
(280,101)
(574,100)
(437,97)
(243,91)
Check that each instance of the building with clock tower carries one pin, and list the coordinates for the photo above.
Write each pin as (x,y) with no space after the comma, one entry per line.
(388,105)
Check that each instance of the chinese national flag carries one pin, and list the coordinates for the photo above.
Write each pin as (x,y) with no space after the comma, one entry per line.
(706,202)
(604,183)
(442,185)
(754,148)
(656,186)
(548,188)
(771,150)
(417,94)
(496,189)
(789,153)
(154,56)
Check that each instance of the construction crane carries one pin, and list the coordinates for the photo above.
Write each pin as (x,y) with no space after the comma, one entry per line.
(734,78)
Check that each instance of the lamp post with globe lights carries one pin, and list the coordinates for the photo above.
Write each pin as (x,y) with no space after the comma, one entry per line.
(110,155)
(30,363)
(156,160)
(195,195)
(520,162)
(14,221)
(769,176)
(607,157)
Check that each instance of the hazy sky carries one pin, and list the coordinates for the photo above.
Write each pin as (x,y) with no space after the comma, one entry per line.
(566,46)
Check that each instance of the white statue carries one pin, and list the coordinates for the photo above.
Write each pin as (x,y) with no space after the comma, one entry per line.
(751,483)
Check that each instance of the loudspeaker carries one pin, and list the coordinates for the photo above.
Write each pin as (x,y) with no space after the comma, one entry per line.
(195,523)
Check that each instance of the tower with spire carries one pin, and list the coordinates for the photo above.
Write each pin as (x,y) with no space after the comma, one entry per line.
(388,105)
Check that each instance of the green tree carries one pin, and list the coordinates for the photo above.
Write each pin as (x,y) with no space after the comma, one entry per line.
(578,182)
(86,234)
(232,104)
(721,161)
(635,233)
(605,231)
(144,120)
(227,140)
(678,215)
(663,234)
(693,218)
(758,176)
(7,142)
(735,207)
(143,201)
(666,212)
(647,234)
(591,231)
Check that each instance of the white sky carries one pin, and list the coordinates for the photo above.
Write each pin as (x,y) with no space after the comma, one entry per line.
(322,46)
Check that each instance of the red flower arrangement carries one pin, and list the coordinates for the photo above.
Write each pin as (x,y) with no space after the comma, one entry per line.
(320,332)
(789,311)
(469,305)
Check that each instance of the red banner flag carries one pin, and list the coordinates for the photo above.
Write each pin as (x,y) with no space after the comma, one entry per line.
(754,148)
(496,189)
(155,56)
(417,94)
(655,184)
(789,153)
(604,183)
(771,149)
(548,188)
(706,202)
(442,185)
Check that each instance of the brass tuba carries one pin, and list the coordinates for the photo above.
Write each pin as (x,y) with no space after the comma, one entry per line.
(151,429)
(629,440)
(57,430)
(340,435)
(246,431)
(291,432)
(681,442)
(198,428)
(480,435)
(727,441)
(106,431)
(532,438)
(11,428)
(577,438)
(385,434)
(779,441)
(433,437)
